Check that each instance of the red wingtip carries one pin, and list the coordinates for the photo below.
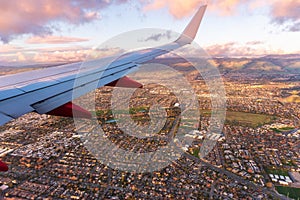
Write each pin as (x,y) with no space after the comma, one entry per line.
(3,167)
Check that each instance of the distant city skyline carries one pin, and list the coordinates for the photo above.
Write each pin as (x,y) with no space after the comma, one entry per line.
(63,31)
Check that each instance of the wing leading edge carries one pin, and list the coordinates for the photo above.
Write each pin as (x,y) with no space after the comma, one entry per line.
(45,90)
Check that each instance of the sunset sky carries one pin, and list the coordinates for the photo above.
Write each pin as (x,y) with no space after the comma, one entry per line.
(34,31)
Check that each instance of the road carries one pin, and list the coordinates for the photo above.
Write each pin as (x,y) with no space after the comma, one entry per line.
(235,177)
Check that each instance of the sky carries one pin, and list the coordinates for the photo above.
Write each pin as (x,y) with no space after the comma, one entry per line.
(34,31)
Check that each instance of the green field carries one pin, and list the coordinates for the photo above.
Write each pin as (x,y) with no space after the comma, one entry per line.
(283,129)
(277,171)
(289,192)
(243,118)
(232,117)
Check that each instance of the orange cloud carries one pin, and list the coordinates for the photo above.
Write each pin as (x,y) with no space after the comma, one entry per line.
(49,39)
(21,57)
(226,7)
(178,8)
(182,8)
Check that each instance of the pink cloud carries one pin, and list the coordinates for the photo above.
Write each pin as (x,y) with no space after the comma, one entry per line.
(49,39)
(226,7)
(70,54)
(7,48)
(38,17)
(230,49)
(235,49)
(51,55)
(60,56)
(286,10)
(18,56)
(178,8)
(41,17)
(183,8)
(280,11)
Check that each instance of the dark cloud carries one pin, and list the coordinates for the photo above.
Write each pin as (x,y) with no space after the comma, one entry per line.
(283,11)
(254,43)
(158,37)
(294,27)
(286,13)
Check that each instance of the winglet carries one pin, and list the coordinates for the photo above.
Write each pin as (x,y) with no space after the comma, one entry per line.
(191,30)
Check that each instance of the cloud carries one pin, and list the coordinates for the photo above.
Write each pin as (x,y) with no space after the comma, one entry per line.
(254,43)
(280,13)
(40,17)
(72,54)
(286,13)
(223,49)
(230,49)
(159,36)
(7,48)
(49,39)
(288,10)
(59,56)
(183,8)
(294,27)
(178,8)
(226,7)
(19,56)
(51,55)
(249,49)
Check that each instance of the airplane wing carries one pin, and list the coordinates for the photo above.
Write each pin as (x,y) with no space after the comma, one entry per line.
(51,90)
